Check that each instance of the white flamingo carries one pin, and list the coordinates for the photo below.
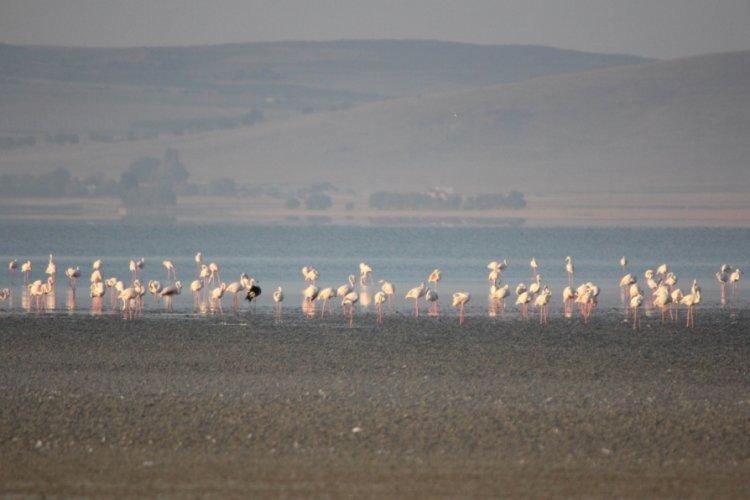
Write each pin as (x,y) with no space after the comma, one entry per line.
(216,296)
(431,297)
(346,288)
(542,302)
(365,274)
(214,276)
(278,298)
(497,297)
(379,298)
(26,270)
(459,300)
(309,294)
(435,276)
(691,301)
(310,274)
(169,292)
(96,291)
(389,290)
(73,273)
(568,296)
(196,286)
(169,266)
(154,288)
(624,264)
(635,303)
(416,294)
(569,269)
(523,300)
(12,268)
(235,287)
(349,300)
(534,266)
(734,279)
(326,295)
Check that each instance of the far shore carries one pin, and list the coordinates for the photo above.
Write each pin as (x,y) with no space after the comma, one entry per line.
(590,210)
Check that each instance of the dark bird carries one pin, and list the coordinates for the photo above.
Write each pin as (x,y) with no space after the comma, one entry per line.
(253,290)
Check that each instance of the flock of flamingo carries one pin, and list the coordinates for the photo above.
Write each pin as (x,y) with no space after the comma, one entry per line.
(208,291)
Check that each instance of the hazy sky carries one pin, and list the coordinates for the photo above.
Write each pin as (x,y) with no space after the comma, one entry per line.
(654,28)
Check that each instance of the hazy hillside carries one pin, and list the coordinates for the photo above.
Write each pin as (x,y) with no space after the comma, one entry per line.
(172,90)
(653,127)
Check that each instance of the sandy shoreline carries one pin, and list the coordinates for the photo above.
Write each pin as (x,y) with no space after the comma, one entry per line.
(238,406)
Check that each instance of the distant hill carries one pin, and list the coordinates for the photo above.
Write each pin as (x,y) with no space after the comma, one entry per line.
(418,115)
(82,90)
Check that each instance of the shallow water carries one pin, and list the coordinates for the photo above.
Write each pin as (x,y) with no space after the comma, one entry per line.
(404,256)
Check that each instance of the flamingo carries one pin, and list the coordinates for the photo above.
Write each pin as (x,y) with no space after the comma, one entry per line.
(12,268)
(734,279)
(459,300)
(26,270)
(154,288)
(111,283)
(309,295)
(214,277)
(722,277)
(253,290)
(169,265)
(662,299)
(4,294)
(137,265)
(96,276)
(196,287)
(127,296)
(216,295)
(199,260)
(691,300)
(677,296)
(310,274)
(434,277)
(345,289)
(96,291)
(535,287)
(626,282)
(662,270)
(235,287)
(51,270)
(624,264)
(635,303)
(431,296)
(278,298)
(169,292)
(97,265)
(350,299)
(416,293)
(365,272)
(534,266)
(389,290)
(73,273)
(568,296)
(523,300)
(586,299)
(326,295)
(542,302)
(140,291)
(569,268)
(496,269)
(36,290)
(379,298)
(498,296)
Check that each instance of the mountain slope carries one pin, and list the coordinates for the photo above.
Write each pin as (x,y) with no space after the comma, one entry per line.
(677,126)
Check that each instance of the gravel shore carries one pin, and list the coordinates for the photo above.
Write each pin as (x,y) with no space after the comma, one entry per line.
(239,405)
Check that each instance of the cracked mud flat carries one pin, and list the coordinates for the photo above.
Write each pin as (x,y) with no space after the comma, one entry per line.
(241,406)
